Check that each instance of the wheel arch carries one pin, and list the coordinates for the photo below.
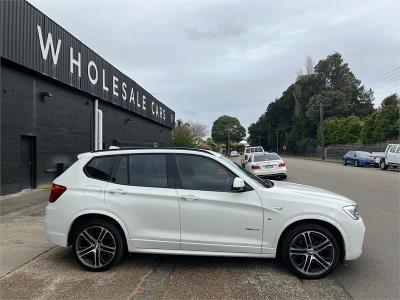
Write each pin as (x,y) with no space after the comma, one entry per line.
(328,224)
(85,216)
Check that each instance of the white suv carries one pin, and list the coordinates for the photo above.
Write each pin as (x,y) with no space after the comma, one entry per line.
(391,157)
(196,202)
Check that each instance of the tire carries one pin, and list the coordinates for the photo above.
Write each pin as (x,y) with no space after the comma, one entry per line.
(87,245)
(308,262)
(344,162)
(356,163)
(383,165)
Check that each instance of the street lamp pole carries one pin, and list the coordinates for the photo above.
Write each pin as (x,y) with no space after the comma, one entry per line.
(321,119)
(277,141)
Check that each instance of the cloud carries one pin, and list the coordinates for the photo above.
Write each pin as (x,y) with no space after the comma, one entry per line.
(208,58)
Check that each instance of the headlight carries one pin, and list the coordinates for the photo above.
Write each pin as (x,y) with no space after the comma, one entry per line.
(352,211)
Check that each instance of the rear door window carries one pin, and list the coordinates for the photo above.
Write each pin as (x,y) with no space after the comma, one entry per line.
(148,170)
(100,167)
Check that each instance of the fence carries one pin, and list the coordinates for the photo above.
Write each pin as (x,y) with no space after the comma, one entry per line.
(337,151)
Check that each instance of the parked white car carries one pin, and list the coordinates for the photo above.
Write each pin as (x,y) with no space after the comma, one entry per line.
(248,151)
(234,153)
(391,157)
(267,165)
(196,202)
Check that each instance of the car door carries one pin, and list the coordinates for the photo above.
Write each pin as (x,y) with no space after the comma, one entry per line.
(213,217)
(142,194)
(397,156)
(391,154)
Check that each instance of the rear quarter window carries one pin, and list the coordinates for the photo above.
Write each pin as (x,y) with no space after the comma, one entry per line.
(99,167)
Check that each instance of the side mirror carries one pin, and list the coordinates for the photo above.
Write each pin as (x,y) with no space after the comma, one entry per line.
(238,184)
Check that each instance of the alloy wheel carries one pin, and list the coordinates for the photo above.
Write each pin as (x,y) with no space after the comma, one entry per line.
(95,247)
(312,253)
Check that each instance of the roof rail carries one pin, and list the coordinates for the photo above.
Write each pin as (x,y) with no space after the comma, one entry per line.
(154,148)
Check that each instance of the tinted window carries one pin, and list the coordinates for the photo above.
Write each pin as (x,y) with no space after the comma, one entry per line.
(200,173)
(363,153)
(265,157)
(392,149)
(121,173)
(148,170)
(100,167)
(398,150)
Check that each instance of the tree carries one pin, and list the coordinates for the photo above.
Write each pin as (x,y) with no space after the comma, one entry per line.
(342,130)
(309,65)
(182,135)
(227,129)
(382,125)
(393,100)
(198,130)
(340,91)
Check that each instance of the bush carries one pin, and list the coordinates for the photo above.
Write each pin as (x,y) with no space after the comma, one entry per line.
(382,125)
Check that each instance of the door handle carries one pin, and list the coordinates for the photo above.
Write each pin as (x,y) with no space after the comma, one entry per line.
(189,197)
(117,191)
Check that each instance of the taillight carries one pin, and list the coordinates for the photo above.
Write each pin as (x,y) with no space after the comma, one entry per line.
(282,163)
(56,191)
(255,167)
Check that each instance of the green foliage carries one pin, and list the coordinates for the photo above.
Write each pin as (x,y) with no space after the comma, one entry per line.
(393,100)
(214,147)
(295,115)
(182,136)
(382,125)
(222,125)
(342,130)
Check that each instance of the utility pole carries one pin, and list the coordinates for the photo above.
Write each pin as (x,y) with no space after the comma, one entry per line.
(321,119)
(277,141)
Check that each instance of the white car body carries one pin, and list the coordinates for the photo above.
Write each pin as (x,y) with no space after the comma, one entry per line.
(234,154)
(250,150)
(196,222)
(266,167)
(391,157)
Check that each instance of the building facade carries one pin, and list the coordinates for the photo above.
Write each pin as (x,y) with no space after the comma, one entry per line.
(58,98)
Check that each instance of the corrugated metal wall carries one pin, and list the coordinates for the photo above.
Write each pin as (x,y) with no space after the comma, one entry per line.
(20,43)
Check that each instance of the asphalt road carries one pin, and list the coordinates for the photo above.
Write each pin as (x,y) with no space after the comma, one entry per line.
(55,275)
(375,275)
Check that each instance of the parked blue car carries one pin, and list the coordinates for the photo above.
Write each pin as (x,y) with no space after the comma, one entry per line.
(359,158)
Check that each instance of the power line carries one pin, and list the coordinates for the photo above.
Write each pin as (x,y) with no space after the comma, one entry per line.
(388,79)
(383,76)
(387,83)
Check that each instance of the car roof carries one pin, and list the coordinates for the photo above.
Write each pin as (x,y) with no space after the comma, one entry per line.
(117,151)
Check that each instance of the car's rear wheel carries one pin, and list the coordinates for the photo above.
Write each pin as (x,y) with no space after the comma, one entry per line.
(310,251)
(356,163)
(383,165)
(98,245)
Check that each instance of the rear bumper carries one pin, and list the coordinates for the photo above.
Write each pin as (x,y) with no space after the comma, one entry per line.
(54,233)
(273,172)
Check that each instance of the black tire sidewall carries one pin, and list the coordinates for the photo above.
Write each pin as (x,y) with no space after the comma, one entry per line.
(118,237)
(291,234)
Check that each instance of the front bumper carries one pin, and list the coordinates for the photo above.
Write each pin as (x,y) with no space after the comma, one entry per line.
(355,238)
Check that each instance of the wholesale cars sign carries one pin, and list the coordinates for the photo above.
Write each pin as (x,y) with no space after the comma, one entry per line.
(49,49)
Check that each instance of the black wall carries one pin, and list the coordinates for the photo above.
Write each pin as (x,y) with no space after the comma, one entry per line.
(63,124)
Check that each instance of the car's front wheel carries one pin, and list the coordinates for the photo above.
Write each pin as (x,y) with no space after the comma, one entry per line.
(310,251)
(98,245)
(383,165)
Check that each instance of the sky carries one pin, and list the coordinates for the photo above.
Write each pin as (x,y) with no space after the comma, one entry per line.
(207,58)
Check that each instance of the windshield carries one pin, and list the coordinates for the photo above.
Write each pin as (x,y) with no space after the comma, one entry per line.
(363,153)
(266,156)
(267,183)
